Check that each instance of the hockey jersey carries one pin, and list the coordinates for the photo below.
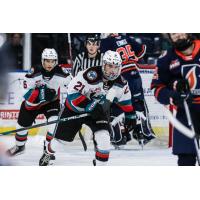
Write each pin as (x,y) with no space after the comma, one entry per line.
(173,65)
(88,88)
(38,80)
(130,51)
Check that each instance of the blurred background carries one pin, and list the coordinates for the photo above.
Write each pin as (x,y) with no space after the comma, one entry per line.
(24,50)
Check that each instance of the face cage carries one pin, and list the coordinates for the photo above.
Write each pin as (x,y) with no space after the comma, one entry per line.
(112,76)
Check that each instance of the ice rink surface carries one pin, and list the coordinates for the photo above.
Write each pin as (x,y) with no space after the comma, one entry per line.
(72,154)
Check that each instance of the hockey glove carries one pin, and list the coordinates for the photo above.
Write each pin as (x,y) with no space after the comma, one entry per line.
(182,92)
(181,86)
(101,111)
(179,98)
(47,94)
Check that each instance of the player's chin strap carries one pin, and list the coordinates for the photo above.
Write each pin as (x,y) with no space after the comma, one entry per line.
(190,133)
(46,123)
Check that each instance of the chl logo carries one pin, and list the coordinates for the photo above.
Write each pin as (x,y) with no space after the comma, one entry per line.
(91,75)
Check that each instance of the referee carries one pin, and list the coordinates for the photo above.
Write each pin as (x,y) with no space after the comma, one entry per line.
(90,57)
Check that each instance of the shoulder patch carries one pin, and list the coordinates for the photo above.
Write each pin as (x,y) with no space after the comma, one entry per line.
(31,71)
(61,71)
(34,71)
(91,75)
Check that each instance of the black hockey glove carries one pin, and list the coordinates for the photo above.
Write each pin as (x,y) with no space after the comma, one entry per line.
(181,86)
(101,111)
(182,92)
(46,94)
(50,94)
(178,98)
(129,124)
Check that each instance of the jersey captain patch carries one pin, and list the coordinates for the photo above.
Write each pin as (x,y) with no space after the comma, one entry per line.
(91,75)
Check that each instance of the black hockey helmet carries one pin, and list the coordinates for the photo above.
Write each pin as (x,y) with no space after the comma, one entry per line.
(93,37)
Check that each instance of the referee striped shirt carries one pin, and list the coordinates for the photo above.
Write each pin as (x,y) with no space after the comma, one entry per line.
(82,62)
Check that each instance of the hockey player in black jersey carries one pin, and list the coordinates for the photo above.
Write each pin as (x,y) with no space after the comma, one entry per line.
(131,52)
(177,79)
(42,96)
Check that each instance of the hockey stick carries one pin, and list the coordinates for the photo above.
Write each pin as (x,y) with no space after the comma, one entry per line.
(183,129)
(82,140)
(45,124)
(189,119)
(178,125)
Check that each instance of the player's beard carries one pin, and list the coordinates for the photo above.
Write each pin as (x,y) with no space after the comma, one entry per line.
(183,44)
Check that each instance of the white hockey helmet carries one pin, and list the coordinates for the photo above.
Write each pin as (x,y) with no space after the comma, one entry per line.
(112,58)
(48,54)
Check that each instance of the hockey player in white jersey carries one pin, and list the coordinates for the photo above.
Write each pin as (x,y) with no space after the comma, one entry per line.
(92,92)
(42,96)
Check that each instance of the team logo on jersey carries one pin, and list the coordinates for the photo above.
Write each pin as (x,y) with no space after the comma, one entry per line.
(91,75)
(190,72)
(191,77)
(31,71)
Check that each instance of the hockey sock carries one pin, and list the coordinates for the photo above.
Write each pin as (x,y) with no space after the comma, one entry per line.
(21,137)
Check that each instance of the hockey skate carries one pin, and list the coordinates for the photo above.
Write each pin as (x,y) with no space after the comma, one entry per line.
(47,157)
(16,150)
(126,137)
(141,137)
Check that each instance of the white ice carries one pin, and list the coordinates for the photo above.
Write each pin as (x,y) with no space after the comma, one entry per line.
(73,154)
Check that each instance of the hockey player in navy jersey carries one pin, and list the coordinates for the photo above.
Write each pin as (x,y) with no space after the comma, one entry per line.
(177,79)
(42,96)
(131,52)
(89,92)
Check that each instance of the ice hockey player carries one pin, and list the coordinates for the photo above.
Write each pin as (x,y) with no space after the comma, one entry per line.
(176,79)
(42,85)
(131,52)
(90,57)
(90,92)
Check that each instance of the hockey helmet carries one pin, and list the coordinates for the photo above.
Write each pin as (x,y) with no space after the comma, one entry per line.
(112,58)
